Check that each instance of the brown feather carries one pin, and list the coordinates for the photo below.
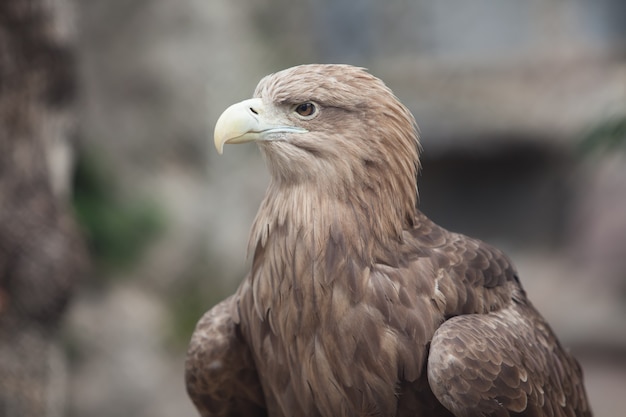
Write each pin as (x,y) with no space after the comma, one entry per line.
(357,304)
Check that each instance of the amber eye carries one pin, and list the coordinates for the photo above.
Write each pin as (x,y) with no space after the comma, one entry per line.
(306,109)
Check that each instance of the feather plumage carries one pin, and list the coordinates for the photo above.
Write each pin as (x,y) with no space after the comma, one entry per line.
(357,304)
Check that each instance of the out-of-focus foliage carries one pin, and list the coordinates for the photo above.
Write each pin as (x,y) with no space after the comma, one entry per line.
(117,229)
(606,136)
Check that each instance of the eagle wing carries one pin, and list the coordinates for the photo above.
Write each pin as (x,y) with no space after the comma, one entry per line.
(220,373)
(502,364)
(504,360)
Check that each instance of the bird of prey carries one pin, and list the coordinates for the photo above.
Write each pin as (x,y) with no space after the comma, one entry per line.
(356,303)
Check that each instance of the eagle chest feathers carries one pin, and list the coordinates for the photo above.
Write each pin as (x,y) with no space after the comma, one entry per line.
(320,313)
(357,304)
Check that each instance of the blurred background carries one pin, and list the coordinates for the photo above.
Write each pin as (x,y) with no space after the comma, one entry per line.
(522,111)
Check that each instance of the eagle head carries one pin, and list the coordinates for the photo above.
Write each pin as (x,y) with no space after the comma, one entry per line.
(325,123)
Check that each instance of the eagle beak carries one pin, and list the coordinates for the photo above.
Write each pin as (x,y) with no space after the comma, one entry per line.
(248,121)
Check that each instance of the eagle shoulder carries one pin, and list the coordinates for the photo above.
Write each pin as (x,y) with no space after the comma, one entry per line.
(470,276)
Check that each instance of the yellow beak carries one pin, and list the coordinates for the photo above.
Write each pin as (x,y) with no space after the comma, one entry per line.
(248,121)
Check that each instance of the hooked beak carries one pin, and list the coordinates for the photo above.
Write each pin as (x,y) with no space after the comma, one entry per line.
(249,121)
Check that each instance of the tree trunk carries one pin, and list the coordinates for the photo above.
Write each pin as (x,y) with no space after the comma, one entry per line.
(41,253)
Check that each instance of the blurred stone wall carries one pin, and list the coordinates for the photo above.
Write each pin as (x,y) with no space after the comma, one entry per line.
(502,91)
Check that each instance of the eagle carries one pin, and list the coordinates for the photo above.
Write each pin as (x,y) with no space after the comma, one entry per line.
(356,303)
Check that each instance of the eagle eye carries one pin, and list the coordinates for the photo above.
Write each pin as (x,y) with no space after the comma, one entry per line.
(306,110)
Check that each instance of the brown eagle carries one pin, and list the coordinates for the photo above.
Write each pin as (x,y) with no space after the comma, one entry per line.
(357,304)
